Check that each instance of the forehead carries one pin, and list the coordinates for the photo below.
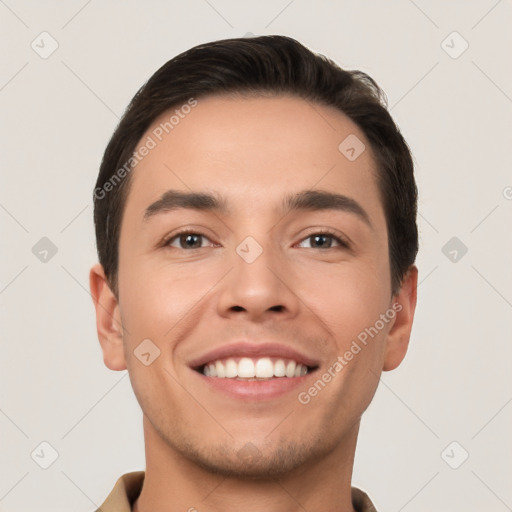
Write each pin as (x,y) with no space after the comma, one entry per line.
(252,149)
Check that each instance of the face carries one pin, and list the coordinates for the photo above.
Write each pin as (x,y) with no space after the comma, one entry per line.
(254,297)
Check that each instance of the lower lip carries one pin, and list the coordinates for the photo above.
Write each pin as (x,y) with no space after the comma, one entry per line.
(253,389)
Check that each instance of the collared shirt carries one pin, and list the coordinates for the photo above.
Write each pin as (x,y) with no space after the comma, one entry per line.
(128,487)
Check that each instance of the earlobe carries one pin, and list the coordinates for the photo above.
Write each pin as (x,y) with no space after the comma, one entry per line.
(398,337)
(108,319)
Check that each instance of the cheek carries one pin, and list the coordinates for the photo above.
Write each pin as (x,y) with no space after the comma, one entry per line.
(163,302)
(158,310)
(347,298)
(349,304)
(153,302)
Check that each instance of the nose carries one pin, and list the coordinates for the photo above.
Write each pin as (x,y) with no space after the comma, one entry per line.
(258,289)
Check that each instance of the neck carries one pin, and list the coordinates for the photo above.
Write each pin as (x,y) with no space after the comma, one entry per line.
(174,482)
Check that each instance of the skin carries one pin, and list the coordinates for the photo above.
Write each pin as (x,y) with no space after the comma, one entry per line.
(252,151)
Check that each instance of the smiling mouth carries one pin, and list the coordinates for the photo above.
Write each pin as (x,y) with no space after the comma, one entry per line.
(254,369)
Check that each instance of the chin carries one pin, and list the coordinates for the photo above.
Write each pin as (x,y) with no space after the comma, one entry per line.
(252,463)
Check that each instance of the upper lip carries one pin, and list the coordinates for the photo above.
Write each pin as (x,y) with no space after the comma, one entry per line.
(255,350)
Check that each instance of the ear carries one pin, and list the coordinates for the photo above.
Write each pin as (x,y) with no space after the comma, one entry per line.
(108,319)
(405,305)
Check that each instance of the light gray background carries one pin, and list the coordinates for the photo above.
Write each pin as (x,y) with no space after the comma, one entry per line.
(57,116)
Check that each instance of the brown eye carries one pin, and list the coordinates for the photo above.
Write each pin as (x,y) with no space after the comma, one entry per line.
(187,240)
(323,241)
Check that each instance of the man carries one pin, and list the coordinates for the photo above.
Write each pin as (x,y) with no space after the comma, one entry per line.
(255,217)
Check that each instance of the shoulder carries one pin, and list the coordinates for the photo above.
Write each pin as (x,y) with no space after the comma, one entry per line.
(125,492)
(361,501)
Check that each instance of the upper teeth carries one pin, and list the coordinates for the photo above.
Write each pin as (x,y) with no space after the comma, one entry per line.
(247,368)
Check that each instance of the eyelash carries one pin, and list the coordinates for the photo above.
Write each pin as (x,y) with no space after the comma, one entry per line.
(343,243)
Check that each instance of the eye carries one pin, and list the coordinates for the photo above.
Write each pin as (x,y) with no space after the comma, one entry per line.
(188,240)
(324,240)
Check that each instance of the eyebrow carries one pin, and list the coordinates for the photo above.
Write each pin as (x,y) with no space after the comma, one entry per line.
(174,200)
(314,200)
(307,200)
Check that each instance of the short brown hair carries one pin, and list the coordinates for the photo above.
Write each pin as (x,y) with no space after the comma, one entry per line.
(262,65)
